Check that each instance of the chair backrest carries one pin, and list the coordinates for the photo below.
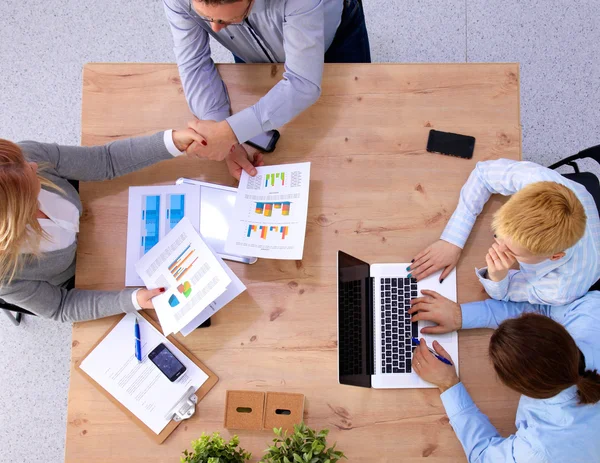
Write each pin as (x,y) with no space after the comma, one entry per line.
(587,179)
(590,182)
(14,308)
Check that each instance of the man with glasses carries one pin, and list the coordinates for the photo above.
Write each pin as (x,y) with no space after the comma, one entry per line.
(303,34)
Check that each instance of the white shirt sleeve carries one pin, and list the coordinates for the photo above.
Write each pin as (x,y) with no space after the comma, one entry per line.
(134,300)
(170,144)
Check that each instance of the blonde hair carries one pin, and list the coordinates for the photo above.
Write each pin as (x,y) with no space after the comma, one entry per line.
(544,217)
(19,226)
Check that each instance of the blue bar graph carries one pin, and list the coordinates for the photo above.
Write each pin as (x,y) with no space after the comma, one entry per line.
(176,210)
(151,222)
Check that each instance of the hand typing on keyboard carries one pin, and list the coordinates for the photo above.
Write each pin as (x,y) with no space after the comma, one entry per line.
(434,307)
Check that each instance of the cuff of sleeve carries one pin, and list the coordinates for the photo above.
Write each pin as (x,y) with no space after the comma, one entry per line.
(495,289)
(245,125)
(170,144)
(456,399)
(452,240)
(471,315)
(134,300)
(459,227)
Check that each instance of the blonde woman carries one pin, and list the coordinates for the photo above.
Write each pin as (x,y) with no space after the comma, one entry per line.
(39,219)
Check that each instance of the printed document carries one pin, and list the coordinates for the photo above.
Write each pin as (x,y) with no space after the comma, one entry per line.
(153,212)
(193,277)
(269,218)
(140,387)
(235,288)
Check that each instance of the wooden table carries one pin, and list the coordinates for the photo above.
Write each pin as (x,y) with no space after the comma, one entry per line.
(375,193)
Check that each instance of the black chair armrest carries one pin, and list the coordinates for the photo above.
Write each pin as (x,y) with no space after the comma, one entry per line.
(593,153)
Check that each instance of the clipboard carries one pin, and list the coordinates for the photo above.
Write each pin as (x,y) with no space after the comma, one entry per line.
(199,394)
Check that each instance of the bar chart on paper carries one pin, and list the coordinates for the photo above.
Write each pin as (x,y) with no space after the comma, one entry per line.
(150,222)
(266,209)
(270,212)
(183,263)
(274,232)
(153,212)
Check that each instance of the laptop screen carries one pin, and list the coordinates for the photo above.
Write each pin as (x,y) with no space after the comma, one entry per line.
(355,319)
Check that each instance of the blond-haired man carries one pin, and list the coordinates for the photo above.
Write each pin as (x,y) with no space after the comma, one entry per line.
(550,226)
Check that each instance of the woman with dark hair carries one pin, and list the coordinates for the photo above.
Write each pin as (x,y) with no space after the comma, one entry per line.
(548,354)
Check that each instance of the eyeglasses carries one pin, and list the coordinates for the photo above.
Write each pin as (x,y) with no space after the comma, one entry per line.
(234,22)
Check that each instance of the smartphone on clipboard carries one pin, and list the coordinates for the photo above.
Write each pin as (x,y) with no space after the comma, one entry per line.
(451,144)
(265,141)
(166,362)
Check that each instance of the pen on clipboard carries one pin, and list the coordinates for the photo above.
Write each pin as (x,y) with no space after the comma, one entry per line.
(438,356)
(138,341)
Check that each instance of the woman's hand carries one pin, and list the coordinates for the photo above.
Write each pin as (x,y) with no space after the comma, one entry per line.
(238,160)
(184,138)
(498,263)
(433,370)
(439,255)
(434,307)
(144,297)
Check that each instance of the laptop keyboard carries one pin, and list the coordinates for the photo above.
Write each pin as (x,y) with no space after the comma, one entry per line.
(396,327)
(350,348)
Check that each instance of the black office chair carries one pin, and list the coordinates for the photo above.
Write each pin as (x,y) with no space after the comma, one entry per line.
(587,179)
(8,309)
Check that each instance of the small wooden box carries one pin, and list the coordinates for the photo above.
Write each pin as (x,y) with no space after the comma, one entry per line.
(244,410)
(283,410)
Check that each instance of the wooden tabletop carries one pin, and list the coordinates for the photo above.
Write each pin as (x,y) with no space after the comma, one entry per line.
(375,193)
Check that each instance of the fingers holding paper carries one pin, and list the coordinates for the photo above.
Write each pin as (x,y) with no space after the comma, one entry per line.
(145,296)
(238,160)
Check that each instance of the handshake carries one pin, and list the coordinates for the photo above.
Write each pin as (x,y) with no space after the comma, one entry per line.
(217,142)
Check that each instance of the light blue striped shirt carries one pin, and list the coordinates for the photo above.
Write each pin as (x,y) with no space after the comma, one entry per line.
(550,282)
(555,430)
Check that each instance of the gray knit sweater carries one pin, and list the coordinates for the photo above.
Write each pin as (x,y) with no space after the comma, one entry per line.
(38,286)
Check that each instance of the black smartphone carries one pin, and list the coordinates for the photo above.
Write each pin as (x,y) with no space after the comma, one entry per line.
(166,362)
(452,144)
(265,141)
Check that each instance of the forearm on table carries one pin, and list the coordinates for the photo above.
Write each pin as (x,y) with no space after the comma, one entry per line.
(102,162)
(516,288)
(490,313)
(303,38)
(67,305)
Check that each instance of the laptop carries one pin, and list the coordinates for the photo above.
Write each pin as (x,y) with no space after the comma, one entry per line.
(374,329)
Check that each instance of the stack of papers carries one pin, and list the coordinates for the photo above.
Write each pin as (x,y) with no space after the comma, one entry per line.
(165,250)
(197,281)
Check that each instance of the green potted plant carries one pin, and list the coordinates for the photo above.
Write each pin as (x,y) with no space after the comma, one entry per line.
(214,449)
(304,445)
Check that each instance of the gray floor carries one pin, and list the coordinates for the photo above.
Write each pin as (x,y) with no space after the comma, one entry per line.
(43,48)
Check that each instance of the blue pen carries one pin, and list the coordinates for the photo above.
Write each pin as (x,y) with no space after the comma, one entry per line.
(138,341)
(438,356)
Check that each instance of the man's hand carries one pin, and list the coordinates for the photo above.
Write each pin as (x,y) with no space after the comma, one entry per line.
(184,138)
(144,297)
(439,255)
(238,160)
(433,370)
(434,307)
(219,137)
(498,263)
